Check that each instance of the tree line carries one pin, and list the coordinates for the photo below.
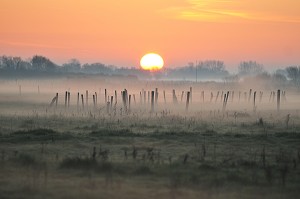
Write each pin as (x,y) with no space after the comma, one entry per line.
(209,69)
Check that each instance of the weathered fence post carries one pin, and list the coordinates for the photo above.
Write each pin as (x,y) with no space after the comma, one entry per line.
(156,95)
(96,98)
(69,98)
(174,97)
(134,98)
(211,97)
(182,93)
(94,101)
(56,100)
(152,101)
(82,101)
(217,96)
(105,96)
(129,103)
(187,101)
(66,98)
(111,101)
(254,101)
(250,93)
(278,100)
(87,98)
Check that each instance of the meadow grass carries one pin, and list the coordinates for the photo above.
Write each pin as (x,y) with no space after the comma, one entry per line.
(101,158)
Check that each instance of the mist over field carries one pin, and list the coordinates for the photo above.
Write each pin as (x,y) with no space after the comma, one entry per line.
(85,136)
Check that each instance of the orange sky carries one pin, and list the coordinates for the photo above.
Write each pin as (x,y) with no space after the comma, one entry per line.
(119,32)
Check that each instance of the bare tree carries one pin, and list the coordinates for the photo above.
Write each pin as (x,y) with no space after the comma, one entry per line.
(250,68)
(72,66)
(293,72)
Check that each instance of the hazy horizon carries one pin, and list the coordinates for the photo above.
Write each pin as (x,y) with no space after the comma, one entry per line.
(181,31)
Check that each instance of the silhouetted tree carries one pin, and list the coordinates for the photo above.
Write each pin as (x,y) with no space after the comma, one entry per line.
(72,66)
(204,69)
(40,63)
(13,63)
(250,68)
(211,65)
(97,68)
(293,72)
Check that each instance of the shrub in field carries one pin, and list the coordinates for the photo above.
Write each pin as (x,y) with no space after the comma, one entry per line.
(78,163)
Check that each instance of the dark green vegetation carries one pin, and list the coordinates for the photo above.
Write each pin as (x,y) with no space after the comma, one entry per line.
(200,156)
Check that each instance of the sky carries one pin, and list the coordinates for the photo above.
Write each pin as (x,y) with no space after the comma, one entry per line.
(120,32)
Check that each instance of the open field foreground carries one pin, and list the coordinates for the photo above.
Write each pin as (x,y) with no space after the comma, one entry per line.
(168,150)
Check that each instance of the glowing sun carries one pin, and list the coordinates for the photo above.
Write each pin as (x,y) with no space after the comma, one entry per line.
(152,62)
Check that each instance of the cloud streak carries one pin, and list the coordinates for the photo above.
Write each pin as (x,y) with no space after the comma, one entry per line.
(237,11)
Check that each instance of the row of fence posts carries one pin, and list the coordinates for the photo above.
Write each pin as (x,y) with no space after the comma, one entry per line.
(153,98)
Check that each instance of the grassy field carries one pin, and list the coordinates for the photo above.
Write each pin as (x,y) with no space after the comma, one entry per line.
(245,150)
(164,156)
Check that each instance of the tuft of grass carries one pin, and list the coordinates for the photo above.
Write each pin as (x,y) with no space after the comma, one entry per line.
(35,135)
(78,163)
(114,133)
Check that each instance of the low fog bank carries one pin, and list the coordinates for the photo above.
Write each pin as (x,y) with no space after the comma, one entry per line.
(85,94)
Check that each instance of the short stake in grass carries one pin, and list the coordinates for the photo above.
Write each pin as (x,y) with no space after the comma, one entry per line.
(211,97)
(250,93)
(254,99)
(66,97)
(278,100)
(69,97)
(94,101)
(105,96)
(174,97)
(156,95)
(82,101)
(187,101)
(217,96)
(152,101)
(129,103)
(87,98)
(111,101)
(96,98)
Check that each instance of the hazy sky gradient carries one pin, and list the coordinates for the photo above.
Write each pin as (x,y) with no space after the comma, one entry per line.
(119,32)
